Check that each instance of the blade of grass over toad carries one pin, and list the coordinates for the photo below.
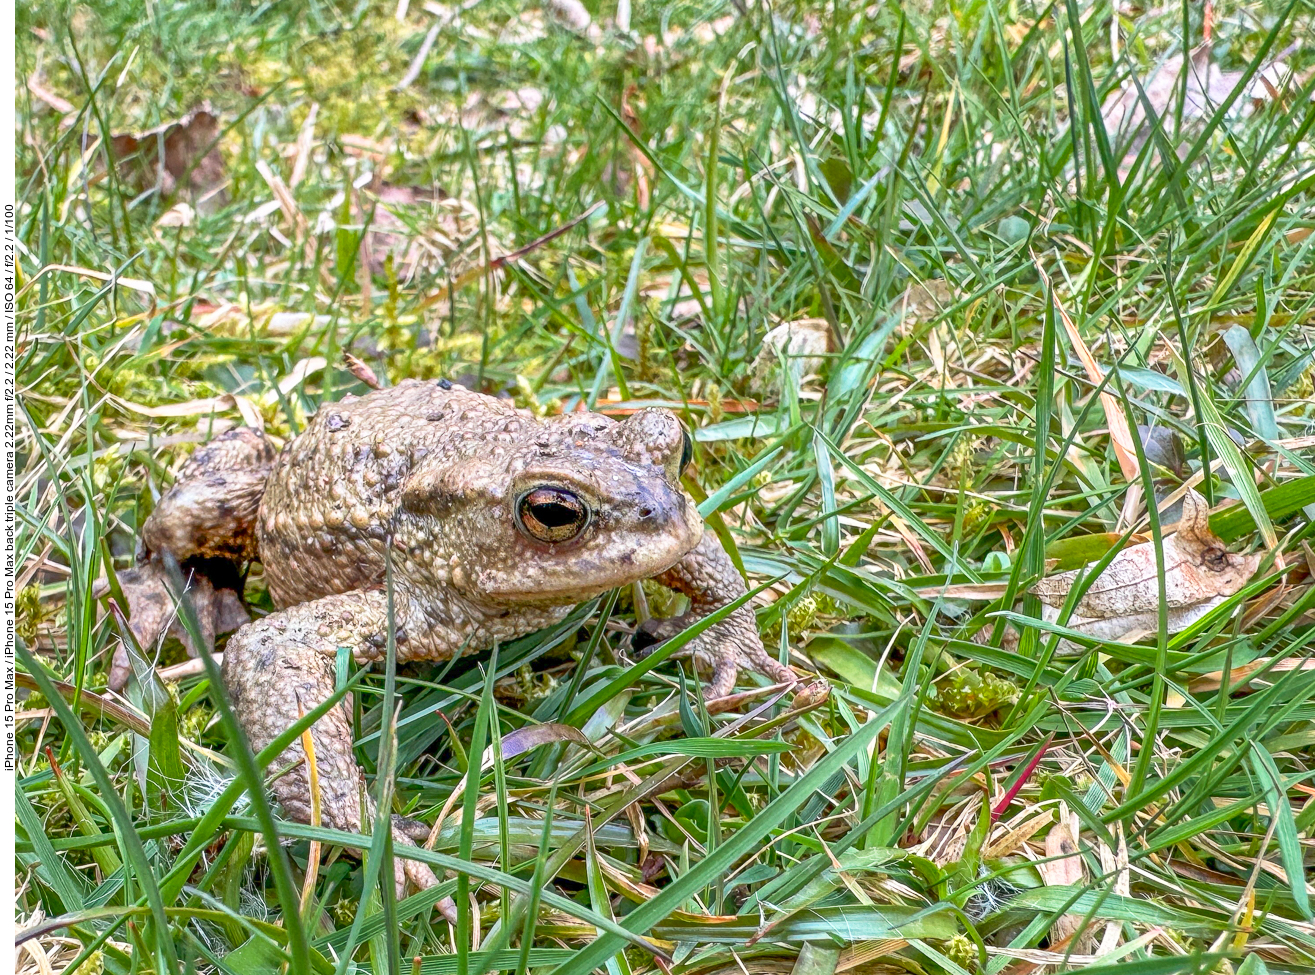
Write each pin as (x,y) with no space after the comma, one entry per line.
(250,776)
(386,771)
(209,824)
(587,707)
(469,801)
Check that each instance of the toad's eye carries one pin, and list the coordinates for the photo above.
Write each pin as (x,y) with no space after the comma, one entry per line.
(686,450)
(551,514)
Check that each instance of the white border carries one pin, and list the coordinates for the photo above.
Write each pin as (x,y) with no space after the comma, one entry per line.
(8,285)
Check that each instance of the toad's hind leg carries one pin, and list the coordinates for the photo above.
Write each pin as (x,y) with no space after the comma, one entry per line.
(210,512)
(206,522)
(282,666)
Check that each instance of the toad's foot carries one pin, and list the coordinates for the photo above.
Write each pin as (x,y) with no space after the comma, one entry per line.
(212,586)
(278,668)
(708,577)
(206,521)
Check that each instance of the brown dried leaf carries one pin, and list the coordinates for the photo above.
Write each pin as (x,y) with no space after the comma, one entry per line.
(531,736)
(152,614)
(181,156)
(360,370)
(1199,573)
(1063,868)
(802,344)
(1013,838)
(1208,86)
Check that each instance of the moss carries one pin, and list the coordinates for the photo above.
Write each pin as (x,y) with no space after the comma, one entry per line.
(194,722)
(959,466)
(962,951)
(968,693)
(975,516)
(29,615)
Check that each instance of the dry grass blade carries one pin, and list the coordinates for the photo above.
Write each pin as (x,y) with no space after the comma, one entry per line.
(1120,433)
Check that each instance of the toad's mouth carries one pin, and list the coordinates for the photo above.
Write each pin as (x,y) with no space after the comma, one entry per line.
(572,576)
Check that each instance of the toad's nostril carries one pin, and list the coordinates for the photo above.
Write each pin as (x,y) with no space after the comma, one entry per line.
(645,513)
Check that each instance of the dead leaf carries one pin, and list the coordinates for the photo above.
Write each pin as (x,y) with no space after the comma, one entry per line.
(1063,868)
(181,156)
(1016,836)
(305,143)
(89,700)
(531,736)
(1207,87)
(179,215)
(300,372)
(1240,677)
(134,284)
(1162,447)
(211,533)
(288,204)
(1199,573)
(152,614)
(800,346)
(360,370)
(572,15)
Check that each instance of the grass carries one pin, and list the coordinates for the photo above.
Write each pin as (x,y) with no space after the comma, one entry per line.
(934,188)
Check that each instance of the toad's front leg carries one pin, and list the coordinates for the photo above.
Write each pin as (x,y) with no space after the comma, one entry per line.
(709,578)
(281,666)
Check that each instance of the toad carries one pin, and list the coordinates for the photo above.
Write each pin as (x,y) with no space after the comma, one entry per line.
(492,522)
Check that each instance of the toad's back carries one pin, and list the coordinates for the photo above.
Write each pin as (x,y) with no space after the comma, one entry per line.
(329,502)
